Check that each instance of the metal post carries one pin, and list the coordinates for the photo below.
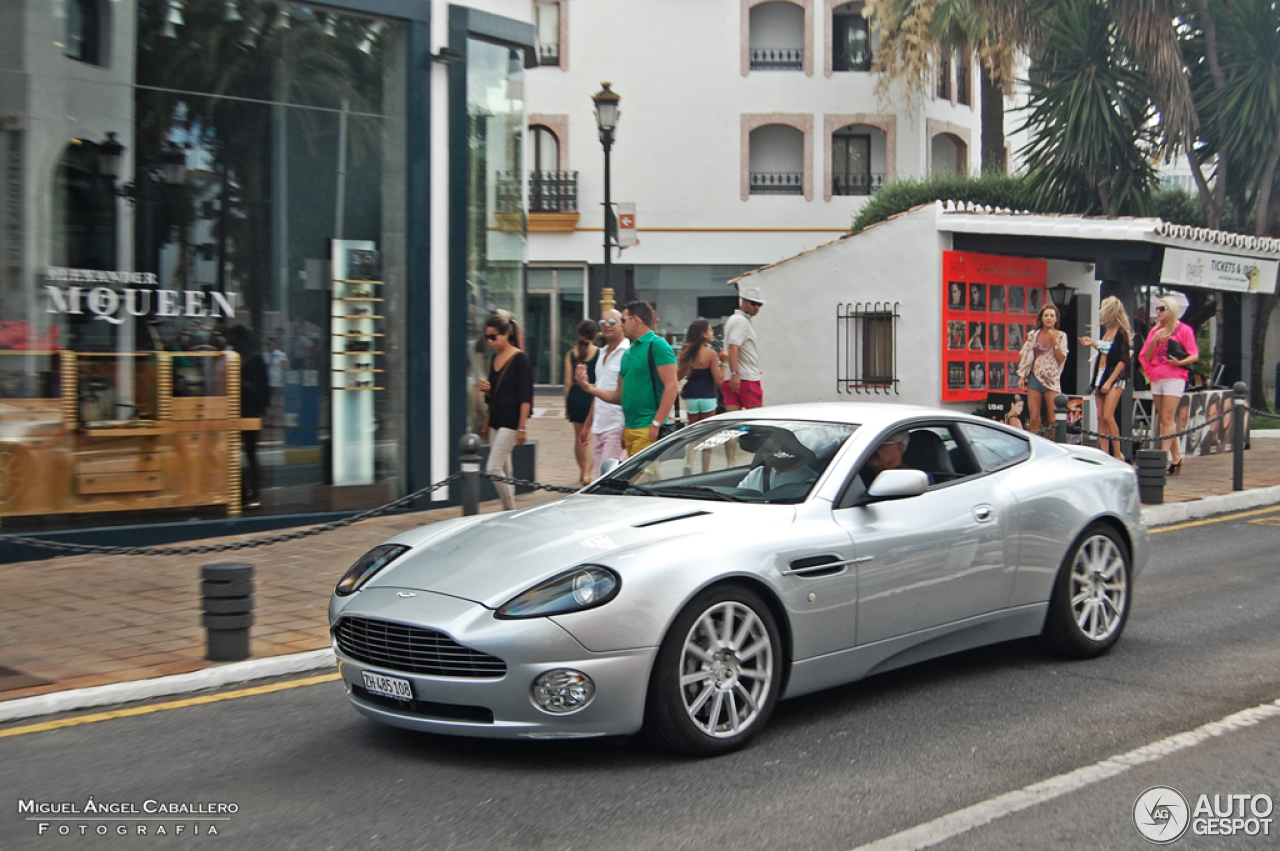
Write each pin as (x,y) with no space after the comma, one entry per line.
(606,139)
(1240,401)
(469,458)
(1060,418)
(228,609)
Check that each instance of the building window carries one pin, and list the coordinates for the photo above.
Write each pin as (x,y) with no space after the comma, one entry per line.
(851,172)
(777,160)
(850,39)
(866,358)
(84,31)
(777,37)
(949,154)
(548,23)
(944,74)
(964,76)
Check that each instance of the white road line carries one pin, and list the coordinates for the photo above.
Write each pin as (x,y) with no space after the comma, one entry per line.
(941,829)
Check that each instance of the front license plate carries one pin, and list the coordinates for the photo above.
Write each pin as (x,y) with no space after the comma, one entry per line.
(387,686)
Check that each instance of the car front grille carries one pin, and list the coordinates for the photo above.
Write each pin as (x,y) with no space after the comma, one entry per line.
(413,650)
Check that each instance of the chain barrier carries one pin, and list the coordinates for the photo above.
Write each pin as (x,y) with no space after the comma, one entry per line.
(200,549)
(1073,428)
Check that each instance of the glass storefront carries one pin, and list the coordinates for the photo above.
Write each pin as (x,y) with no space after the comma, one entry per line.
(259,136)
(681,294)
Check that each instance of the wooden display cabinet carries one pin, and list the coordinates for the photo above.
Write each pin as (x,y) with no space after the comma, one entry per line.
(69,444)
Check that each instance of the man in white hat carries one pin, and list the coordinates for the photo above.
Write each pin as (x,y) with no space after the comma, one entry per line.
(742,389)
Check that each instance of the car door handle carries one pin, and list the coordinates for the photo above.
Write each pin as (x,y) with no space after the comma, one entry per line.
(821,565)
(984,513)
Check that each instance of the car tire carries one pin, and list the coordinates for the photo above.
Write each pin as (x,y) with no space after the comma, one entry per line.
(1091,596)
(728,635)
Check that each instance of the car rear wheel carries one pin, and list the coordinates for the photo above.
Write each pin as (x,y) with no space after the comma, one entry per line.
(1090,603)
(717,675)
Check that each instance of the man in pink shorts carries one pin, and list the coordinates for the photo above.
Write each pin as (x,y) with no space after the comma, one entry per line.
(743,389)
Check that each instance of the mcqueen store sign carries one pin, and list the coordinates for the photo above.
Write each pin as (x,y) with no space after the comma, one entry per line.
(107,303)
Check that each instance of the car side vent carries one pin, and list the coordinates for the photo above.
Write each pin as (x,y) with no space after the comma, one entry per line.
(1087,461)
(669,519)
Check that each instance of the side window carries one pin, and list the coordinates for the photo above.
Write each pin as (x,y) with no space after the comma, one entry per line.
(995,449)
(935,450)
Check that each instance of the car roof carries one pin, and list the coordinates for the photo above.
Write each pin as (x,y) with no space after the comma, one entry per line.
(873,415)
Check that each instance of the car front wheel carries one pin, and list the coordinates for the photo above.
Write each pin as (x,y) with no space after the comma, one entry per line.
(717,674)
(1090,603)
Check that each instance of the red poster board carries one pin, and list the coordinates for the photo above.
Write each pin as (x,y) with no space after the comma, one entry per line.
(989,303)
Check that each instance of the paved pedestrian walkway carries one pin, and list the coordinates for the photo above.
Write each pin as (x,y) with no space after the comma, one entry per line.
(82,621)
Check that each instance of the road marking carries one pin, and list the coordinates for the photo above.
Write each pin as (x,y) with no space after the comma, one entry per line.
(132,711)
(1222,519)
(941,829)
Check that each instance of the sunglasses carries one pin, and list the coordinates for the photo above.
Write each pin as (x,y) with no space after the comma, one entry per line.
(491,337)
(1161,309)
(609,321)
(755,303)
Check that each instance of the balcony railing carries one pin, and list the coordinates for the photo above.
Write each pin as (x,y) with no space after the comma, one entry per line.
(777,59)
(548,54)
(553,192)
(777,183)
(506,193)
(856,184)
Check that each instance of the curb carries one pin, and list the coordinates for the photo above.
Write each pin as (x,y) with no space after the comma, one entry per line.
(1180,512)
(208,678)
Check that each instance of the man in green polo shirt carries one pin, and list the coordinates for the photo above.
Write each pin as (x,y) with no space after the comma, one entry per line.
(644,406)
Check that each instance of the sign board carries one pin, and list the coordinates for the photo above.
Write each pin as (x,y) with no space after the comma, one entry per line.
(989,305)
(1224,272)
(626,225)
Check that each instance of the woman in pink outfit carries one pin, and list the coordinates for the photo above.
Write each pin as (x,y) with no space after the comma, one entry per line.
(1168,373)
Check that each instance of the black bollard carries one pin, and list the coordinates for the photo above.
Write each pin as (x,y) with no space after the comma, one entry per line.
(1151,475)
(469,461)
(1060,418)
(228,609)
(1240,402)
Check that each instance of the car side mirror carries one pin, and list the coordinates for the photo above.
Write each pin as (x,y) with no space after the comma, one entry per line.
(608,465)
(898,484)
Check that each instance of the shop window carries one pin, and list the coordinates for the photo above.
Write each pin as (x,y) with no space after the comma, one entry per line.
(86,30)
(850,39)
(866,358)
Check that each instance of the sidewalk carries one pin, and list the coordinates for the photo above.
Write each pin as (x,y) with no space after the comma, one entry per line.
(86,621)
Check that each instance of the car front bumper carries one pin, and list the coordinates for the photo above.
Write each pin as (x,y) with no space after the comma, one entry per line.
(502,706)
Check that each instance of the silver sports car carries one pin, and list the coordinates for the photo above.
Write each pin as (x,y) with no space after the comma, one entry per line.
(755,556)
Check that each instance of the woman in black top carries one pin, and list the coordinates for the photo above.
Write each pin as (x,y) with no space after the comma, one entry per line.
(509,392)
(700,365)
(577,402)
(1110,369)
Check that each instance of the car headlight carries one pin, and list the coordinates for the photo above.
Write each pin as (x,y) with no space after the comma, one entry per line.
(575,590)
(366,566)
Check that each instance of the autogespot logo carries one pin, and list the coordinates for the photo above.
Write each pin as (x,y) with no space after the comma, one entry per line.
(1161,815)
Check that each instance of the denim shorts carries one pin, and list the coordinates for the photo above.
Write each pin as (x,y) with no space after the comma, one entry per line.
(700,406)
(1033,383)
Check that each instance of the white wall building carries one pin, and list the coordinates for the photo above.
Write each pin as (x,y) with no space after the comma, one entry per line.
(750,131)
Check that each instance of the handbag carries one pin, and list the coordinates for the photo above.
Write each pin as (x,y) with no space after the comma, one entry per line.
(665,429)
(1176,350)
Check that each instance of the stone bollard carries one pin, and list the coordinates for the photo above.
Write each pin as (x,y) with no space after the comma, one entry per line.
(228,609)
(1060,418)
(1151,473)
(469,462)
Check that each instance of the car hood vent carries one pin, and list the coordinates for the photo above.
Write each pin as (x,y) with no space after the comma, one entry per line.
(684,516)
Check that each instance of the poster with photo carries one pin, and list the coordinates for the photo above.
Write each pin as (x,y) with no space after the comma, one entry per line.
(1008,408)
(986,301)
(362,265)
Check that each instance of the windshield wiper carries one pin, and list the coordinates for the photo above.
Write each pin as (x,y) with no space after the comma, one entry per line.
(701,489)
(623,485)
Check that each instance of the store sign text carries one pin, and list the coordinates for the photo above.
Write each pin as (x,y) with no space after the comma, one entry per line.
(105,303)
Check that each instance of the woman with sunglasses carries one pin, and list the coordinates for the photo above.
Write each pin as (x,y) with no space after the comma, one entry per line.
(1110,369)
(1040,364)
(509,391)
(1168,372)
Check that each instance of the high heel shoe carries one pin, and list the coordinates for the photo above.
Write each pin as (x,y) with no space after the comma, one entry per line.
(1175,469)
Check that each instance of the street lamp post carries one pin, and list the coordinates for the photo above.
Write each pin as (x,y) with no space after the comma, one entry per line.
(606,101)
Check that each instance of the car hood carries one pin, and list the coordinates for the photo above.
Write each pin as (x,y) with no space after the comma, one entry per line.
(490,559)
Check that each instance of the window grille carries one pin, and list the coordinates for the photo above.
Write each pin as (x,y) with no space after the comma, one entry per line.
(866,347)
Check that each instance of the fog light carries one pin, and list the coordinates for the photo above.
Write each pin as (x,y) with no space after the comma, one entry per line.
(562,691)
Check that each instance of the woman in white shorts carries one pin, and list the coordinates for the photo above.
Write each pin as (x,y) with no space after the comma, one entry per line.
(1168,372)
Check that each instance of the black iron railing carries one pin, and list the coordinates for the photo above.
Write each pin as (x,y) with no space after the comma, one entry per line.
(856,184)
(777,59)
(548,54)
(777,183)
(553,192)
(506,193)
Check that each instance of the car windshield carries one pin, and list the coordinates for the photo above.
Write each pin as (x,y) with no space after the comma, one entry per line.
(775,461)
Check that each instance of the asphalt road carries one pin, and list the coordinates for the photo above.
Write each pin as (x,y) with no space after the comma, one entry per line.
(833,771)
